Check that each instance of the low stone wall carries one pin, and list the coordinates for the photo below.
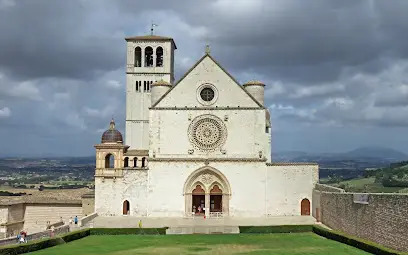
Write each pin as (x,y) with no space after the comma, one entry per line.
(381,218)
(86,220)
(44,234)
(328,188)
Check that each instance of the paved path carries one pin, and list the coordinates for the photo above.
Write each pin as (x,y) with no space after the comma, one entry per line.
(133,222)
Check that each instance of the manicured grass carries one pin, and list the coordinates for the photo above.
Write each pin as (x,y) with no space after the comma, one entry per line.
(279,244)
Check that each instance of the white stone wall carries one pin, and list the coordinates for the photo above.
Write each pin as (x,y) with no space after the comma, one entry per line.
(287,185)
(110,194)
(163,194)
(245,133)
(16,212)
(3,214)
(37,215)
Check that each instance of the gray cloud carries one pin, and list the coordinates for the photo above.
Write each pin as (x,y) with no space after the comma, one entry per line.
(329,65)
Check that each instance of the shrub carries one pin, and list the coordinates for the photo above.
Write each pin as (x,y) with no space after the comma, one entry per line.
(355,242)
(128,231)
(275,229)
(44,243)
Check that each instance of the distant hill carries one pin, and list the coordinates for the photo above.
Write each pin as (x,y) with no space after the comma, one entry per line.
(377,152)
(362,153)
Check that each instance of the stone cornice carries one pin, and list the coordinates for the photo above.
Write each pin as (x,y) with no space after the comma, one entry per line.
(12,223)
(111,146)
(292,164)
(209,160)
(206,108)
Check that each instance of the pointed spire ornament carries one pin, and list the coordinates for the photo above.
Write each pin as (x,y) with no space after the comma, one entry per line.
(207,49)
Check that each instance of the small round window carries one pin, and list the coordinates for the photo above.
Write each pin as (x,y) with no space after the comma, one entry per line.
(207,94)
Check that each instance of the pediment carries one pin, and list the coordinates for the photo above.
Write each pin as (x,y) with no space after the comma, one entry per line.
(194,89)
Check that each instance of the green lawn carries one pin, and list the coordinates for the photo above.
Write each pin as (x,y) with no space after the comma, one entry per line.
(302,243)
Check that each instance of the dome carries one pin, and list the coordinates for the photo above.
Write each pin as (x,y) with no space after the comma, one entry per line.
(112,135)
(258,83)
(161,83)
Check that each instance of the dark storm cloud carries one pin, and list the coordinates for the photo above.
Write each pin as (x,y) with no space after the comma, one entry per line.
(325,62)
(56,39)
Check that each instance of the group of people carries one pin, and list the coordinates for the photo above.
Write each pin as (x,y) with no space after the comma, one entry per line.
(22,237)
(75,220)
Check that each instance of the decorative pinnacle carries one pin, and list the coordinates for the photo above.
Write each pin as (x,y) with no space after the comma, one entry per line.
(207,49)
(112,124)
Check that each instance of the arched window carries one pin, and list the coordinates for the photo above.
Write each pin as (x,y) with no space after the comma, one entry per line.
(159,56)
(138,57)
(143,162)
(135,162)
(126,207)
(148,56)
(126,163)
(305,207)
(109,161)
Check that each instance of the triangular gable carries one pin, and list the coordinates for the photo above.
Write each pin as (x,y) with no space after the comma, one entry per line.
(223,69)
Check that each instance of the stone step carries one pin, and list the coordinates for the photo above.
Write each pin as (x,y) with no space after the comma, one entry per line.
(185,230)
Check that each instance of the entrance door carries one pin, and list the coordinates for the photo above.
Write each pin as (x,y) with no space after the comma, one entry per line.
(198,203)
(305,207)
(126,207)
(216,199)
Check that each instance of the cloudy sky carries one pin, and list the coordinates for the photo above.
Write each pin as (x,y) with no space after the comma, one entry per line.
(336,71)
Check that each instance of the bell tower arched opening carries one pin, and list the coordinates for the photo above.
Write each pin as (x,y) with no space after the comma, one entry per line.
(148,56)
(138,57)
(159,56)
(109,161)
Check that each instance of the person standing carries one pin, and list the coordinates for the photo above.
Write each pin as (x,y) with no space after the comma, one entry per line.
(76,220)
(70,220)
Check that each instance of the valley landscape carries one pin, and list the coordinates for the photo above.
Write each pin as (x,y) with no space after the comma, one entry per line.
(365,169)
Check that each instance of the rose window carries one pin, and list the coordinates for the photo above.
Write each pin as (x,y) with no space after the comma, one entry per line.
(207,132)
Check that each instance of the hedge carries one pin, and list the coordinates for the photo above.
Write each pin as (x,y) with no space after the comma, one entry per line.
(355,242)
(44,243)
(275,229)
(128,231)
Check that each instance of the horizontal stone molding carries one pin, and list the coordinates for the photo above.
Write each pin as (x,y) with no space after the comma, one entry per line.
(292,164)
(205,108)
(136,153)
(111,146)
(12,223)
(41,200)
(209,160)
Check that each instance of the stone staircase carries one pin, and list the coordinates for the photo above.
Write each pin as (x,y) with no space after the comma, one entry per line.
(186,230)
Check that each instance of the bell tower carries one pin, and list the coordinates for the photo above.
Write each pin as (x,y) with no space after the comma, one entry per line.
(150,58)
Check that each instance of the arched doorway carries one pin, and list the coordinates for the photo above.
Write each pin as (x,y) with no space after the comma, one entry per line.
(135,162)
(210,186)
(216,199)
(305,207)
(126,207)
(198,196)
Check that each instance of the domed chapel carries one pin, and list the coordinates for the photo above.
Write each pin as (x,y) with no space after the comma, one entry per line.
(198,146)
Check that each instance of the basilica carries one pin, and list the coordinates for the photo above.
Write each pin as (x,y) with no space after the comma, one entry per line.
(197,147)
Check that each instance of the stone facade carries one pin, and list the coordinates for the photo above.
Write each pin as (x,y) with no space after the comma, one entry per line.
(209,147)
(383,219)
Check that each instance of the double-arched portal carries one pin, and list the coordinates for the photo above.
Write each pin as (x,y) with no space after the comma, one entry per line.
(207,192)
